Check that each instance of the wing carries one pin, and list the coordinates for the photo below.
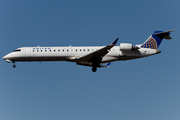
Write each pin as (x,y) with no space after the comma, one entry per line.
(96,56)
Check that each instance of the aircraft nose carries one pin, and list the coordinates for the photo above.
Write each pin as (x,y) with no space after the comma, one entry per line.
(4,57)
(8,56)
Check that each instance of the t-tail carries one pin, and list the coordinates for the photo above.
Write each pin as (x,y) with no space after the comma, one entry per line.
(156,38)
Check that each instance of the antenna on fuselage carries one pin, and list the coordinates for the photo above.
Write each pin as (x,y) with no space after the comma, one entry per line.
(70,46)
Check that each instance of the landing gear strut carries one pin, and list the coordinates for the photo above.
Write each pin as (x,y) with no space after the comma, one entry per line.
(14,66)
(95,63)
(94,69)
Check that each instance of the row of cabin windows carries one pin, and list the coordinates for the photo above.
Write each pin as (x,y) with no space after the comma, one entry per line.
(57,50)
(64,50)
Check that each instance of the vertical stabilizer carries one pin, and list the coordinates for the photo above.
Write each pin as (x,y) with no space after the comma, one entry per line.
(156,38)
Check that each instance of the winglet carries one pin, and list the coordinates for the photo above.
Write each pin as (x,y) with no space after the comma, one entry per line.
(114,42)
(108,64)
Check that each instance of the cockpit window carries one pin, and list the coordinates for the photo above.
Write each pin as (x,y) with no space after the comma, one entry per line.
(17,50)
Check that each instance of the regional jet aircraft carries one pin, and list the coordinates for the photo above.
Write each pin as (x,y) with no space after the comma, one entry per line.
(93,56)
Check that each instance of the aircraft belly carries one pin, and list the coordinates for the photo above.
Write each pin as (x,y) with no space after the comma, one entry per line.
(43,58)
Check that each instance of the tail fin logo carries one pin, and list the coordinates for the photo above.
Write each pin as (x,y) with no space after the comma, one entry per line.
(150,43)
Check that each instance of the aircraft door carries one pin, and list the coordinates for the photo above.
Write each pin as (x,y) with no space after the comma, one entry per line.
(28,51)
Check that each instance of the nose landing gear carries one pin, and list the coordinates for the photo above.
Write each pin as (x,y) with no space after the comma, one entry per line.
(14,66)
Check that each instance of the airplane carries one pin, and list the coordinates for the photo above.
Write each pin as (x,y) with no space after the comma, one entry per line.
(93,56)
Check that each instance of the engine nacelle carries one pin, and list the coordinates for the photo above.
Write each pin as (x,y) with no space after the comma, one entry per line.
(127,47)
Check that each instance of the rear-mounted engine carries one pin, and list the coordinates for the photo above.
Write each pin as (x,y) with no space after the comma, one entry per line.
(128,47)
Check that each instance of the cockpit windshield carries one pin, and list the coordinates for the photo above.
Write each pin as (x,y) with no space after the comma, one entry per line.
(17,50)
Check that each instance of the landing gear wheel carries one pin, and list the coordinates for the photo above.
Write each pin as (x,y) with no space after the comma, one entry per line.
(94,69)
(14,66)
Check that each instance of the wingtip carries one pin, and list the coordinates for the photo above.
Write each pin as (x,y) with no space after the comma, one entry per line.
(172,30)
(108,64)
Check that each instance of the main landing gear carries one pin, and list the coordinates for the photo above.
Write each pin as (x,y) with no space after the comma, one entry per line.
(94,69)
(95,63)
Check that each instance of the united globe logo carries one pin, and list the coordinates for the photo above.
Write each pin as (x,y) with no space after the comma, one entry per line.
(150,43)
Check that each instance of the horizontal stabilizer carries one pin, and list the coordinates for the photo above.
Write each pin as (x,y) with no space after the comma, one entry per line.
(164,35)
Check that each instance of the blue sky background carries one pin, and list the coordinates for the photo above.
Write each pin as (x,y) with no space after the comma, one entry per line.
(142,89)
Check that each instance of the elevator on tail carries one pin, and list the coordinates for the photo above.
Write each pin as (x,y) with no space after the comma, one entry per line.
(93,56)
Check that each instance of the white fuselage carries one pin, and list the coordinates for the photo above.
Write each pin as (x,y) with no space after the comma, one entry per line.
(71,54)
(92,56)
